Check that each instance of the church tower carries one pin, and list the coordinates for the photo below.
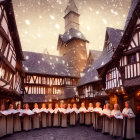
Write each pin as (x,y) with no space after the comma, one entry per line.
(71,16)
(72,44)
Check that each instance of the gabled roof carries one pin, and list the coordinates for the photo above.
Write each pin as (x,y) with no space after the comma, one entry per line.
(71,34)
(114,37)
(134,4)
(69,93)
(94,54)
(71,7)
(46,64)
(129,26)
(91,73)
(13,27)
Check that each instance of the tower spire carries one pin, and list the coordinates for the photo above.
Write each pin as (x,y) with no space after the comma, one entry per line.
(71,7)
(71,16)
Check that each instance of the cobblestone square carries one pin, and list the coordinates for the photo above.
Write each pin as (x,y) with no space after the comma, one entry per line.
(70,133)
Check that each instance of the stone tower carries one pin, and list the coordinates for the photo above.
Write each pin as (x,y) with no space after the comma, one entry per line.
(71,16)
(72,44)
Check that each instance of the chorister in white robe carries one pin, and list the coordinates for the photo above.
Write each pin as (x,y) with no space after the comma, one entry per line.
(2,123)
(44,113)
(93,118)
(68,115)
(128,124)
(56,117)
(98,118)
(116,123)
(63,117)
(88,116)
(82,111)
(106,121)
(27,124)
(10,121)
(49,117)
(73,116)
(36,118)
(17,121)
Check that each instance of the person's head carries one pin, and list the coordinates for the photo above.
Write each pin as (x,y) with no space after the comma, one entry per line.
(90,105)
(26,106)
(35,105)
(56,105)
(127,104)
(116,107)
(104,106)
(2,107)
(11,106)
(107,106)
(74,105)
(50,106)
(98,104)
(43,105)
(18,106)
(82,104)
(69,105)
(61,105)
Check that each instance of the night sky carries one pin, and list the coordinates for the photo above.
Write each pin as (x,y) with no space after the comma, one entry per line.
(41,21)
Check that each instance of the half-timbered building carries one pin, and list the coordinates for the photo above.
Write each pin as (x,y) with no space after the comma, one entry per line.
(11,56)
(128,55)
(108,70)
(48,78)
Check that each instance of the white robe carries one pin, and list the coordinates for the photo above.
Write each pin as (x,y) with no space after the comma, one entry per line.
(106,121)
(44,113)
(73,116)
(128,123)
(17,121)
(82,111)
(36,118)
(64,117)
(27,125)
(2,123)
(88,116)
(49,117)
(10,121)
(116,123)
(56,117)
(98,119)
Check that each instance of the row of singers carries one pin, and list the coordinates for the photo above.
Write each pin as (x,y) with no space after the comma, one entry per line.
(109,121)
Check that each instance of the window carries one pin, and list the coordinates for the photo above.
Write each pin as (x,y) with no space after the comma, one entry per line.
(132,59)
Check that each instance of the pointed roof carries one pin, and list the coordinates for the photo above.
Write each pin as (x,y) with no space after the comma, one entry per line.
(133,6)
(71,34)
(71,7)
(91,72)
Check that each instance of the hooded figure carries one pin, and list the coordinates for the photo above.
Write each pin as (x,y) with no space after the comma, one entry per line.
(128,122)
(82,111)
(49,115)
(36,117)
(17,119)
(106,119)
(27,115)
(10,119)
(63,115)
(98,117)
(88,116)
(3,114)
(116,121)
(56,118)
(74,115)
(43,112)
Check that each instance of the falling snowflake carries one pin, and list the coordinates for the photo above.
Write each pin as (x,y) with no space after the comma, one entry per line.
(27,22)
(57,26)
